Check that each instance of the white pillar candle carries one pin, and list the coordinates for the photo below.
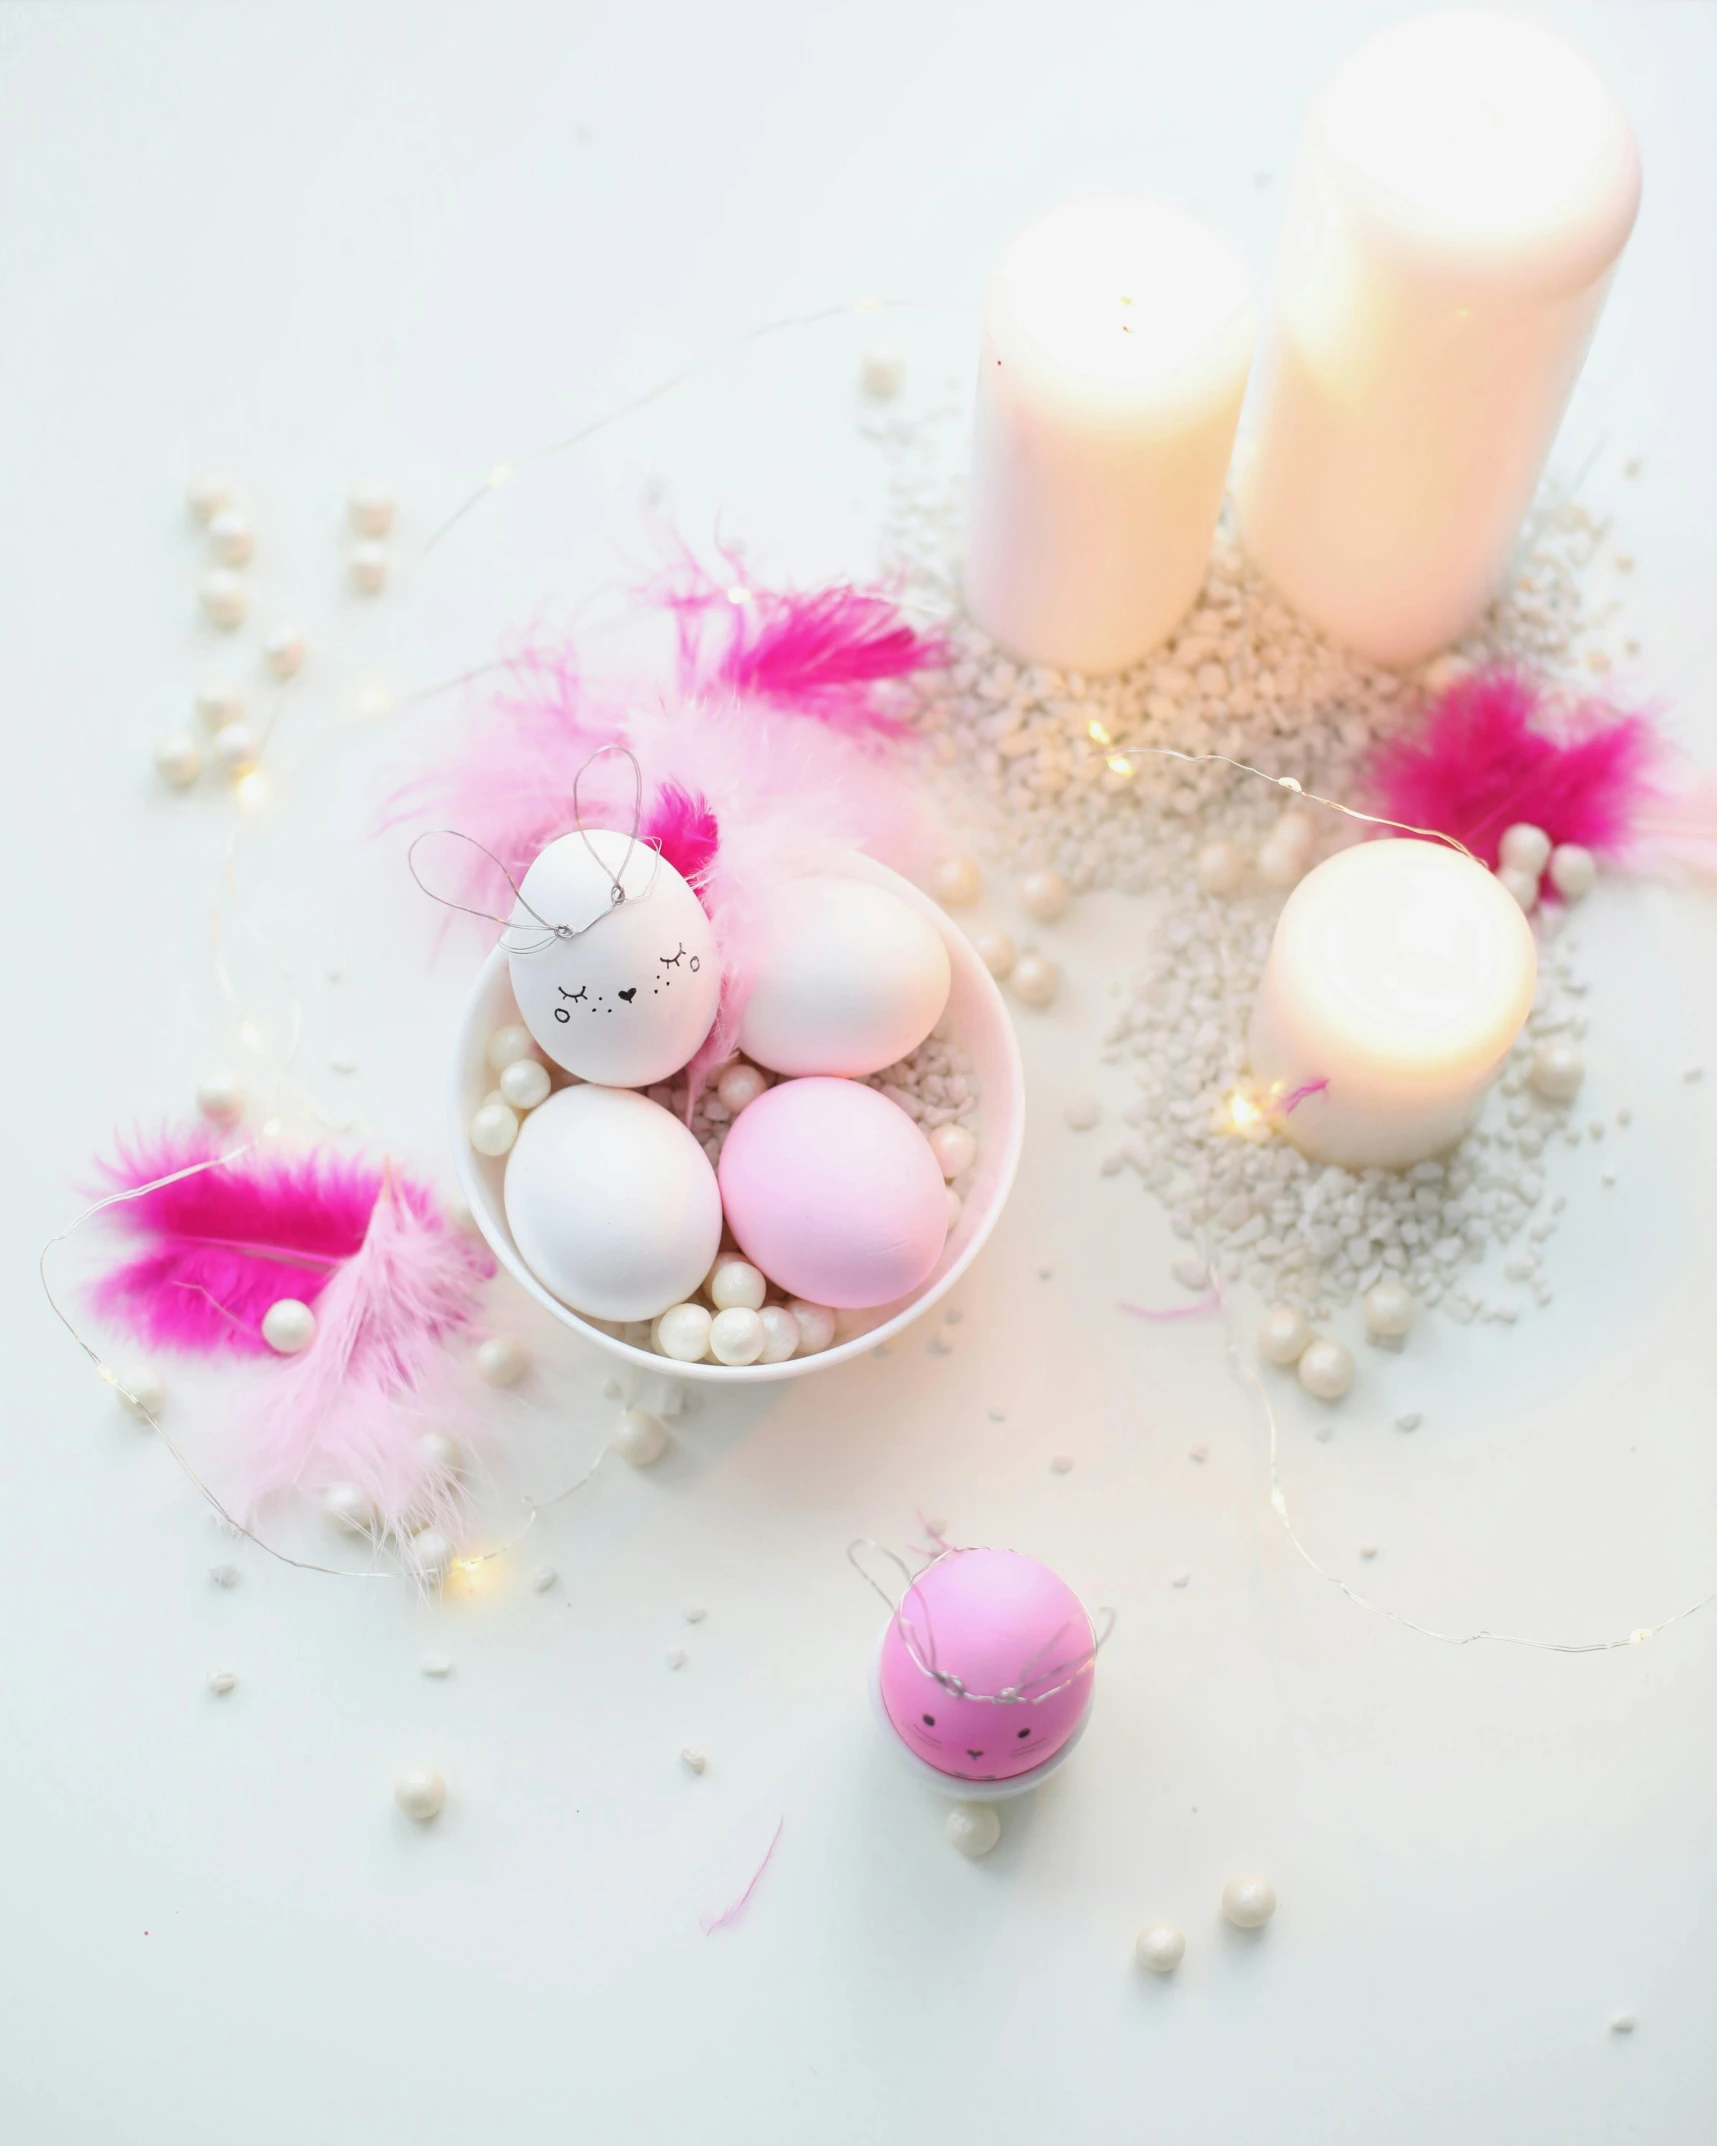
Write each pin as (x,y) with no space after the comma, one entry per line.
(1465,185)
(1116,341)
(1399,977)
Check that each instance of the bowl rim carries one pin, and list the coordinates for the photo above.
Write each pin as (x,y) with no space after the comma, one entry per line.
(964,957)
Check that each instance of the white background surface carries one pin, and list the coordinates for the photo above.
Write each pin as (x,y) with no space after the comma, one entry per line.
(312,244)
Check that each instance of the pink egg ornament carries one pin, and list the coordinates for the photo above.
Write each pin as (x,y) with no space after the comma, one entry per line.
(833,1191)
(987,1668)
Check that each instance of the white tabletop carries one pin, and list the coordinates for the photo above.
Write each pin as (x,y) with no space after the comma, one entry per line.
(314,244)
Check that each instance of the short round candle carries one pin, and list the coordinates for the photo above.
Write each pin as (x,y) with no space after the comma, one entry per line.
(988,1665)
(833,1191)
(1399,977)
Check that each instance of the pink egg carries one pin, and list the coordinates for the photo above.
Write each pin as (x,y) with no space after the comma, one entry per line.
(990,1622)
(833,1191)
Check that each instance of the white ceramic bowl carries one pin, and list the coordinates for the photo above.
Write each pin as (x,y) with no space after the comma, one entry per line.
(979,1023)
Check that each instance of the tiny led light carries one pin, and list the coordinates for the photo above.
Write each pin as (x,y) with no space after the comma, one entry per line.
(1119,764)
(251,789)
(1244,1112)
(1096,733)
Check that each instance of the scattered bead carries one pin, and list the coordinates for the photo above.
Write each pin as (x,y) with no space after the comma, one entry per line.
(370,509)
(224,598)
(974,1828)
(1606,1178)
(494,1128)
(1061,1463)
(224,1575)
(1284,1335)
(640,1438)
(694,1614)
(1045,896)
(178,759)
(235,746)
(1280,865)
(1573,871)
(421,1793)
(1160,1947)
(1522,885)
(1326,1368)
(367,568)
(1690,1074)
(996,951)
(1623,2023)
(206,497)
(219,702)
(432,1554)
(1190,1273)
(525,1083)
(1524,848)
(736,1285)
(233,538)
(1035,980)
(675,1658)
(739,1087)
(736,1337)
(693,1761)
(1557,1070)
(882,374)
(1248,1902)
(780,1334)
(283,650)
(1220,867)
(1368,1549)
(507,1046)
(1180,1577)
(288,1326)
(221,1681)
(544,1579)
(1410,1421)
(1081,1112)
(611,1389)
(348,1507)
(437,1665)
(816,1326)
(441,1454)
(683,1333)
(1389,1313)
(141,1390)
(954,1148)
(1198,1451)
(501,1361)
(957,882)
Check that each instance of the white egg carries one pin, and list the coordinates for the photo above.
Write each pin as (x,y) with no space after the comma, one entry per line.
(612,1203)
(629,997)
(847,979)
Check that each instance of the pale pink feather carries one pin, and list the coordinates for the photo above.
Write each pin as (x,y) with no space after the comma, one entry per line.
(1675,834)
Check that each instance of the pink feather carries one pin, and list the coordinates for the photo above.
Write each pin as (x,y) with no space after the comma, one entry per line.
(353,1407)
(213,1251)
(1675,835)
(1493,751)
(684,829)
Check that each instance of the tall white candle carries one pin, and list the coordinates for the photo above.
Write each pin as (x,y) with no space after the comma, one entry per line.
(1116,340)
(1465,185)
(1400,975)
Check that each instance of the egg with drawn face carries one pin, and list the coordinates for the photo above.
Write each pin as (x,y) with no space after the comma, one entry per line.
(988,1665)
(612,959)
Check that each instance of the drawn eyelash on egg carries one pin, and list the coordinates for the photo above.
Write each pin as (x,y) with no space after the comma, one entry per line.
(673,960)
(561,1013)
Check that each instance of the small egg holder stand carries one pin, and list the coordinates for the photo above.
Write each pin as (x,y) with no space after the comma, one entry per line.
(977,1017)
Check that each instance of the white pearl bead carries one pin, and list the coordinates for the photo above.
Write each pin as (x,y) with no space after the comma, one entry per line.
(283,650)
(421,1793)
(370,509)
(525,1083)
(956,1208)
(1080,1113)
(882,374)
(221,1681)
(205,496)
(1524,847)
(1035,980)
(1326,1368)
(682,1332)
(693,1761)
(957,881)
(348,1507)
(236,749)
(780,1334)
(1389,1311)
(1294,831)
(1220,867)
(1557,1070)
(507,1046)
(232,536)
(494,1128)
(219,702)
(996,951)
(431,1553)
(1280,865)
(1573,869)
(367,568)
(436,1665)
(954,1148)
(441,1454)
(1249,1902)
(501,1361)
(736,1336)
(178,759)
(1521,884)
(545,1579)
(974,1828)
(736,1285)
(225,598)
(639,1437)
(816,1326)
(1160,1947)
(739,1087)
(1045,895)
(220,1098)
(141,1390)
(288,1326)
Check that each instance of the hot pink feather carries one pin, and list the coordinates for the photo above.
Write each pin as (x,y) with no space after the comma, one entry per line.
(684,829)
(1494,750)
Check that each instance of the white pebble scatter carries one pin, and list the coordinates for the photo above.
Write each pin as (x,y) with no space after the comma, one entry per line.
(1180,1577)
(1061,1463)
(1690,1074)
(1623,2023)
(675,1658)
(224,598)
(693,1761)
(1054,772)
(221,1681)
(694,1614)
(436,1665)
(1198,1451)
(544,1579)
(612,1389)
(224,1575)
(178,759)
(367,568)
(1368,1550)
(283,650)
(1081,1113)
(1410,1420)
(940,1345)
(882,374)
